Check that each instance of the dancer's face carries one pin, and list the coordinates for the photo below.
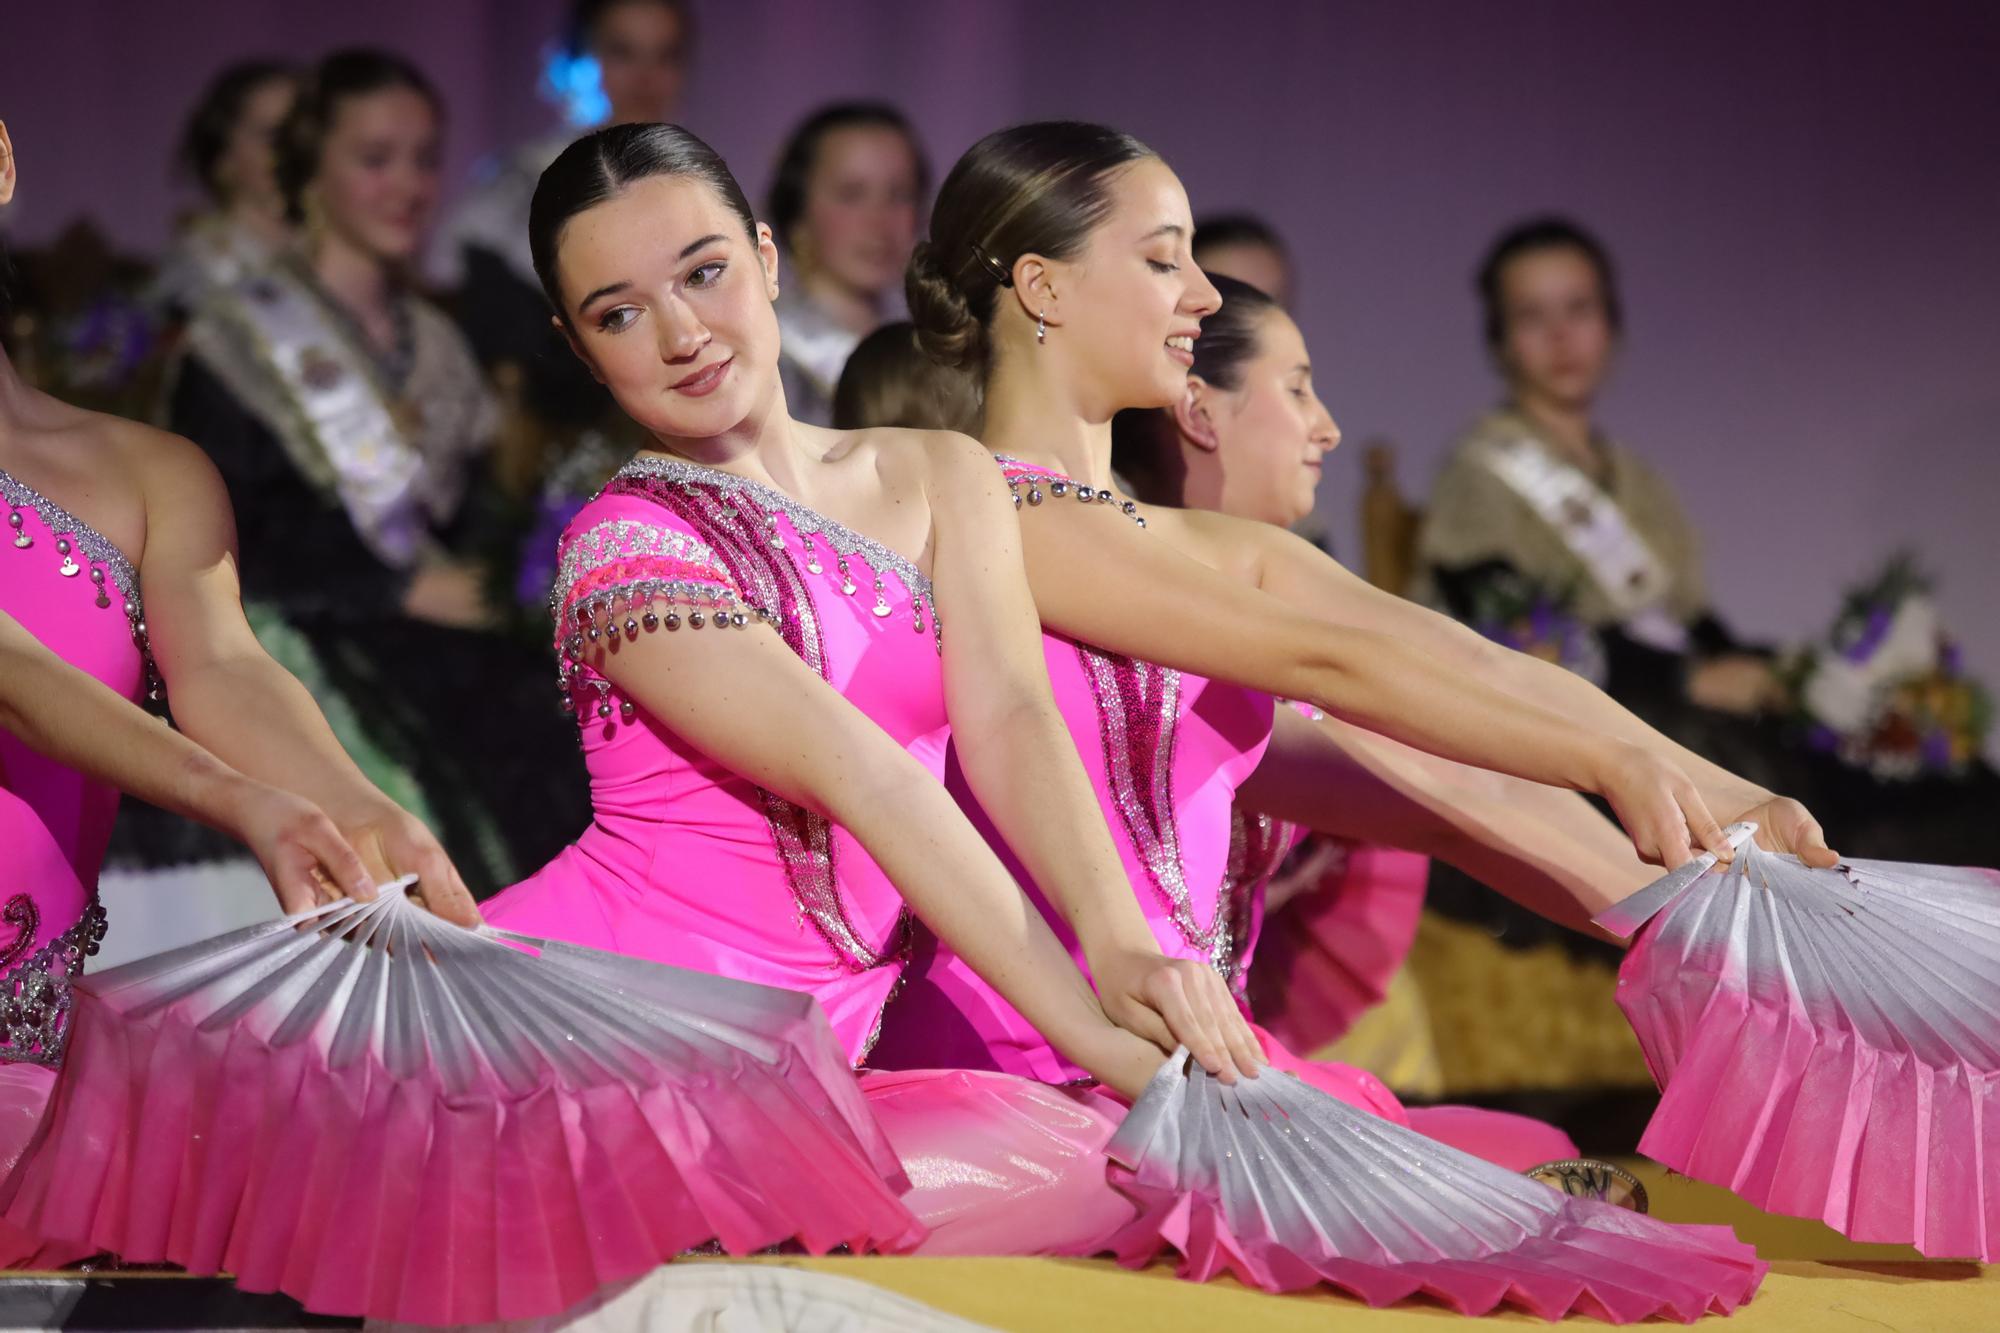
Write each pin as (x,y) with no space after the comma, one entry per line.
(1271,430)
(1558,342)
(1126,310)
(669,304)
(641,50)
(377,184)
(246,175)
(860,220)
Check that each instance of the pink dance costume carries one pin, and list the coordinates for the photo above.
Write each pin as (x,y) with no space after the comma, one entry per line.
(688,864)
(1327,956)
(1166,752)
(79,595)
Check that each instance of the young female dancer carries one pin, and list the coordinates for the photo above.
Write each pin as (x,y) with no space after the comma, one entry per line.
(749,625)
(94,505)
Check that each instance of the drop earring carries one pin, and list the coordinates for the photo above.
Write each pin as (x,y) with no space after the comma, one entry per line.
(1042,327)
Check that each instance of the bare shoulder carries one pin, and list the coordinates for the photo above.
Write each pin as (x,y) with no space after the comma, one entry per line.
(1220,541)
(940,463)
(164,464)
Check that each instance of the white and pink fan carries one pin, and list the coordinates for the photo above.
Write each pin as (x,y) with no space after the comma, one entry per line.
(383,1114)
(1827,1042)
(1286,1187)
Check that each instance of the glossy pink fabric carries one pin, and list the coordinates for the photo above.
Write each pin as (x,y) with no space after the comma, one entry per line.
(1327,955)
(54,821)
(62,611)
(679,863)
(947,1016)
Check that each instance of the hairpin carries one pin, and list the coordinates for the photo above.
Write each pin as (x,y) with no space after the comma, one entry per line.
(992,265)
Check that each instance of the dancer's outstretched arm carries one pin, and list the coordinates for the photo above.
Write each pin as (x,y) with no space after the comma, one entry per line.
(227,694)
(1300,574)
(746,700)
(1545,848)
(75,719)
(1021,760)
(1105,581)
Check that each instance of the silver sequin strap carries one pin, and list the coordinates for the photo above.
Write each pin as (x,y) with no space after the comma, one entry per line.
(630,563)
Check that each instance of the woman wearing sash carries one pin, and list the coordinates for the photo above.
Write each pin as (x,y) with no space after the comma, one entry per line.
(350,421)
(1538,504)
(227,150)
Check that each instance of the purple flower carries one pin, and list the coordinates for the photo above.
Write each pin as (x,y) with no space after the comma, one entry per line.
(538,549)
(1871,636)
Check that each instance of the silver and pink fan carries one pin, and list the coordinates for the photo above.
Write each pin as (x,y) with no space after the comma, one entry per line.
(1286,1187)
(1827,1042)
(380,1113)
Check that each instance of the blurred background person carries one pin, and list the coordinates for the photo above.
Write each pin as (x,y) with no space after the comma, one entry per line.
(1245,247)
(845,203)
(1542,524)
(349,420)
(228,151)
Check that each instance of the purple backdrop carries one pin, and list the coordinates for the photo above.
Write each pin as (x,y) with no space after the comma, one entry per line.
(1802,194)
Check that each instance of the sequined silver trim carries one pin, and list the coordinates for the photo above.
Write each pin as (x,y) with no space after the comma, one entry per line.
(1025,482)
(807,522)
(1138,715)
(623,539)
(100,552)
(1257,847)
(36,998)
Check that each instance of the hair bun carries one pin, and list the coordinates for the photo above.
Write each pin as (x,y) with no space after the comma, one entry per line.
(946,327)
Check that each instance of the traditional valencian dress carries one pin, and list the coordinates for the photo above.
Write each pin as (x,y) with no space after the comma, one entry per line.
(349,468)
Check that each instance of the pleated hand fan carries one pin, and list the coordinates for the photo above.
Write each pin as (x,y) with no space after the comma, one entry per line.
(1286,1187)
(383,1114)
(1827,1042)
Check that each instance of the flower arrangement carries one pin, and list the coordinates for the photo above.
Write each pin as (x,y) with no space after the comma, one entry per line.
(1519,613)
(1887,691)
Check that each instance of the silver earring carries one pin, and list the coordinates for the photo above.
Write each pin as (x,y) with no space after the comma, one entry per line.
(1042,327)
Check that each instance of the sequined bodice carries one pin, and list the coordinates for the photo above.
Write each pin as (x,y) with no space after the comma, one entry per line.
(71,588)
(734,878)
(78,594)
(1165,752)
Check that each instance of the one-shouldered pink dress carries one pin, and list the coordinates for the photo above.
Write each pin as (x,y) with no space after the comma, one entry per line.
(78,594)
(689,864)
(1166,751)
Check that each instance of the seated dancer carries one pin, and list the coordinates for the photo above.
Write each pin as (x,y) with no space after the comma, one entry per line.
(1247,439)
(228,150)
(771,632)
(1537,504)
(350,422)
(95,506)
(1167,750)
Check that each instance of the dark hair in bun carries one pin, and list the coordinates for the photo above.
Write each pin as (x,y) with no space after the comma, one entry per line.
(1033,189)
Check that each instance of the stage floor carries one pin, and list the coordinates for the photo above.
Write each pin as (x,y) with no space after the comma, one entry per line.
(1819,1283)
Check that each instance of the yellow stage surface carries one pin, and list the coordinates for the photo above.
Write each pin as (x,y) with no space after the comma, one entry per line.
(1819,1283)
